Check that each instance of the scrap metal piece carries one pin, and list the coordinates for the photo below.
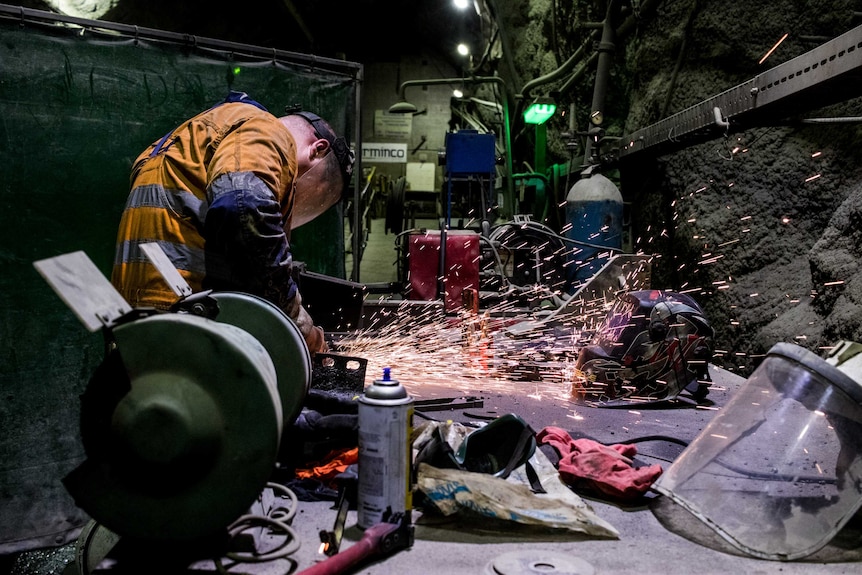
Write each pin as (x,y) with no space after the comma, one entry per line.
(92,546)
(624,272)
(448,403)
(331,540)
(333,372)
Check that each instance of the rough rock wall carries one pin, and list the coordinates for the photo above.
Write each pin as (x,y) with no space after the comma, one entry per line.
(762,227)
(763,221)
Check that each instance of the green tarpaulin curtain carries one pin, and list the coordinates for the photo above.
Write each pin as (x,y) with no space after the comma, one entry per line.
(79,104)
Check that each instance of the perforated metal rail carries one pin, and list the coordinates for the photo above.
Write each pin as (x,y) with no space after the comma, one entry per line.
(829,74)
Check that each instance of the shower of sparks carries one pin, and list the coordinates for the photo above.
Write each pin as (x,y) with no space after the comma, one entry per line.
(771,50)
(467,353)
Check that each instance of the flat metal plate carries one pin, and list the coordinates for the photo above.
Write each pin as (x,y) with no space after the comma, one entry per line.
(87,292)
(622,273)
(333,372)
(166,268)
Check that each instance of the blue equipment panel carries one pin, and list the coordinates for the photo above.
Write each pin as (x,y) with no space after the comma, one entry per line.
(469,152)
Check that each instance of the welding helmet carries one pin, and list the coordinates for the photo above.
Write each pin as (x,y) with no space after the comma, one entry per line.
(778,471)
(652,345)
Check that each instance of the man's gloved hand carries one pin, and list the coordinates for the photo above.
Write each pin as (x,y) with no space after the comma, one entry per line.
(315,340)
(313,334)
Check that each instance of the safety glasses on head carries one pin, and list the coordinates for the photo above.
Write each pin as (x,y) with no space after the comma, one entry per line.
(337,144)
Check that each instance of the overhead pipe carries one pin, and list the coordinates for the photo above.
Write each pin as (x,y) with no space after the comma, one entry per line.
(23,15)
(605,56)
(580,57)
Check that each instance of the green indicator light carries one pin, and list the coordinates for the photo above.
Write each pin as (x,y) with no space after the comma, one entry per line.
(539,113)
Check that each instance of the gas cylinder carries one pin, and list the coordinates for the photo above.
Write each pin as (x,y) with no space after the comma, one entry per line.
(594,214)
(385,451)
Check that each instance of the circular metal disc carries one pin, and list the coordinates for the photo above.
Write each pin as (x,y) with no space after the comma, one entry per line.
(184,369)
(281,338)
(538,562)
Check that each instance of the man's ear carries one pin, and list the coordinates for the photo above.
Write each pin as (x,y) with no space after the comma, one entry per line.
(318,149)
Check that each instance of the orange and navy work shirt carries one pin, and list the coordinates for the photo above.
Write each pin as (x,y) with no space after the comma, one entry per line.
(216,194)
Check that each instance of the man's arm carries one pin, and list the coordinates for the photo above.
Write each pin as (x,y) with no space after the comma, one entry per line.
(246,245)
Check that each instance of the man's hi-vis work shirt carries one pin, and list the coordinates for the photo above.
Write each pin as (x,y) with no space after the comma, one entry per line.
(216,194)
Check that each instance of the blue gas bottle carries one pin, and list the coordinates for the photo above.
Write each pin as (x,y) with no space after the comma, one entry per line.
(594,214)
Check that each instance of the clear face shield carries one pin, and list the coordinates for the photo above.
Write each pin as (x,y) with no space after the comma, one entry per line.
(778,472)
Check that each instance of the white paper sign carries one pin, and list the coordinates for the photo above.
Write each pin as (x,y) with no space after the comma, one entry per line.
(392,126)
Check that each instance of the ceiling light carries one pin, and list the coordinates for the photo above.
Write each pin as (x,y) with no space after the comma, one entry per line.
(457,93)
(402,107)
(540,111)
(461,4)
(463,49)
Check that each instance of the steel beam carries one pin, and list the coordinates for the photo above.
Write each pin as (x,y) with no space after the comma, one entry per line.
(826,75)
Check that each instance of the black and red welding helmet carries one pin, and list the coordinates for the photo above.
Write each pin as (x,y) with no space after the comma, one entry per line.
(652,345)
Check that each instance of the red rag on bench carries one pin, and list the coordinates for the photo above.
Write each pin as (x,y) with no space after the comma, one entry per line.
(607,469)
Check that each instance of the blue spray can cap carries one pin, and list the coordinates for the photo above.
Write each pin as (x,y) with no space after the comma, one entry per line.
(386,387)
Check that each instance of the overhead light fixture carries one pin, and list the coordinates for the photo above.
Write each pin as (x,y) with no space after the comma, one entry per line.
(457,93)
(540,111)
(463,49)
(402,107)
(461,4)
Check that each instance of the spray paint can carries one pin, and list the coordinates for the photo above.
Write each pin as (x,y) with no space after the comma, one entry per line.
(385,451)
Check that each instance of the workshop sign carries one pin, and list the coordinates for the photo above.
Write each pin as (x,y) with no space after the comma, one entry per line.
(389,126)
(382,153)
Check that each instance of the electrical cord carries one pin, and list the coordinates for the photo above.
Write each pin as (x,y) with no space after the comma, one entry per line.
(277,519)
(500,267)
